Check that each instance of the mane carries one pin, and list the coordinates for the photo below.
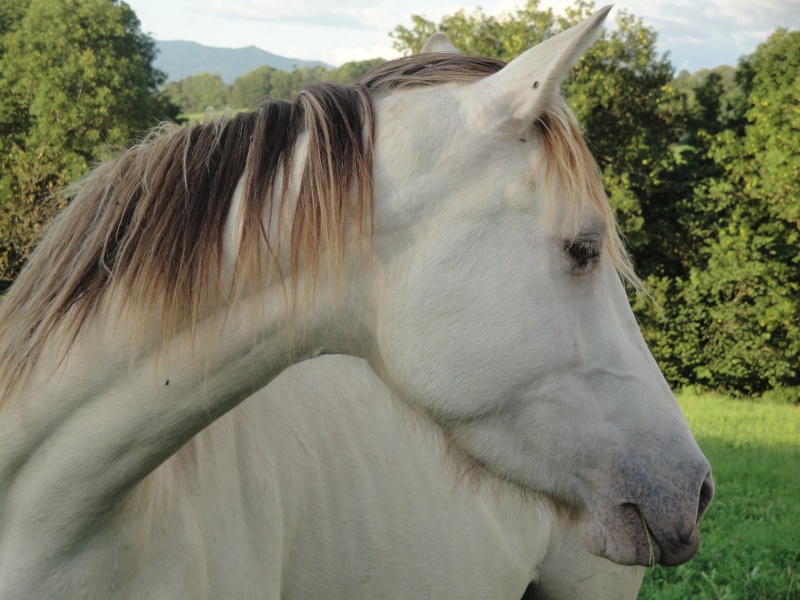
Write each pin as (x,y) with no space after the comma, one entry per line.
(148,227)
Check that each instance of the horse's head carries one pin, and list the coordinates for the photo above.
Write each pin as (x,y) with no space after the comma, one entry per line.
(501,311)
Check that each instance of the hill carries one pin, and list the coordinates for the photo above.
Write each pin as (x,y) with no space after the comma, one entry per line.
(181,59)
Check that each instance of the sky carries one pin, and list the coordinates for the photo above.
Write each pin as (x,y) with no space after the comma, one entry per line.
(696,33)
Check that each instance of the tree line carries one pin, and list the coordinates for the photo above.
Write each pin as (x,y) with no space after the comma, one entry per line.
(197,93)
(703,170)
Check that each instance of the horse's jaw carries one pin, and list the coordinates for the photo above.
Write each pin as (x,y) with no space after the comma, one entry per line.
(626,473)
(620,509)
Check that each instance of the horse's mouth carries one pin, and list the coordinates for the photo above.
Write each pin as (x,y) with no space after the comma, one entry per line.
(651,544)
(651,551)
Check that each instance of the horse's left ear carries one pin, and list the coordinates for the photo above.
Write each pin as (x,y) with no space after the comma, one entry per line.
(438,42)
(532,81)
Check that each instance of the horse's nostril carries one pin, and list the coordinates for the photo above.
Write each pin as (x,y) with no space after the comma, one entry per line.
(706,494)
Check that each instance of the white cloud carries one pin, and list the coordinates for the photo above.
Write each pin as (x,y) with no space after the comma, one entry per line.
(305,12)
(747,13)
(343,54)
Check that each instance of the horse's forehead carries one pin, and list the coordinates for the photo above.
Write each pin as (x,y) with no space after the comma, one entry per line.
(425,117)
(432,140)
(432,129)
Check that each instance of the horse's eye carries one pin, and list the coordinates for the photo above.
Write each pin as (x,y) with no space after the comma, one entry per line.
(583,253)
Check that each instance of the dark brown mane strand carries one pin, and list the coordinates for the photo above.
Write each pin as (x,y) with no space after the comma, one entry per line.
(339,162)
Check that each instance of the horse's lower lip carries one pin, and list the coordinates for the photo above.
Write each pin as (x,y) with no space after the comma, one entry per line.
(680,554)
(657,556)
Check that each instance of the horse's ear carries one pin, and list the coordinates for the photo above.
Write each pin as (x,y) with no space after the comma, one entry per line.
(532,82)
(438,42)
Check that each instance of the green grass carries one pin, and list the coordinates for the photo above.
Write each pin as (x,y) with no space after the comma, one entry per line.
(201,116)
(751,533)
(191,117)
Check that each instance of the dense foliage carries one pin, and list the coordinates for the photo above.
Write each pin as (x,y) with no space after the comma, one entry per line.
(733,316)
(76,77)
(702,169)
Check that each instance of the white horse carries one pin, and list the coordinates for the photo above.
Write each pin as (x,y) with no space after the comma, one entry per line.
(443,219)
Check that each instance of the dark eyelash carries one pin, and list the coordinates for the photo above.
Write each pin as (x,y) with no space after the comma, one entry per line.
(582,253)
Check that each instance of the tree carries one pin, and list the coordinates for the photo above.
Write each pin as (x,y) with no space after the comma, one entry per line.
(197,93)
(11,14)
(740,309)
(265,81)
(76,77)
(352,71)
(250,88)
(503,37)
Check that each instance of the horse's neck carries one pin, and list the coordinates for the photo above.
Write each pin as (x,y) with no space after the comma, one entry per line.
(79,437)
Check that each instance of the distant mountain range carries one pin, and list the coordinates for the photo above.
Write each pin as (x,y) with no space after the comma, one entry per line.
(181,59)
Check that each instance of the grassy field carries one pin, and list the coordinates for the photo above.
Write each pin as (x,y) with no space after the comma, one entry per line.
(751,533)
(202,117)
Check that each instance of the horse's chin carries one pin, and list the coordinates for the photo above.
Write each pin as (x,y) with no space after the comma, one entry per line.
(620,535)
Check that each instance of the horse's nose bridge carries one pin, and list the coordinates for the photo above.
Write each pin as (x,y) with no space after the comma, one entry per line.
(625,372)
(614,342)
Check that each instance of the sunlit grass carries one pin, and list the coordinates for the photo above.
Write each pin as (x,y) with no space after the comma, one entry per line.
(751,533)
(202,117)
